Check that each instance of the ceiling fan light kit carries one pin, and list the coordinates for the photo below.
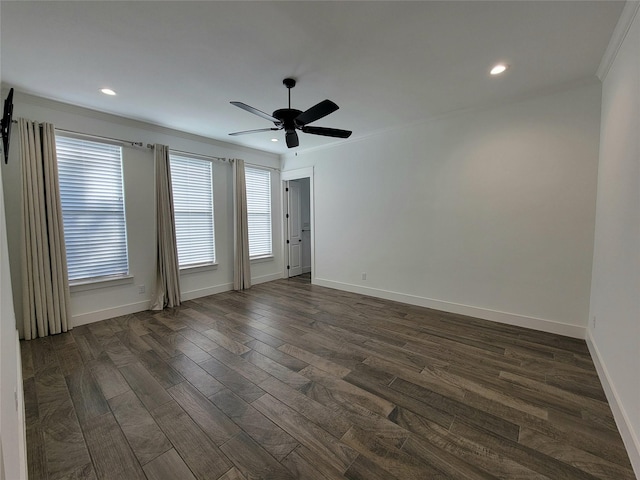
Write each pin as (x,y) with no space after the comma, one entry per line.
(290,119)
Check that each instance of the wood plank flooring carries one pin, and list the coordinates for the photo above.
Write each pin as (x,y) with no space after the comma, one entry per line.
(289,380)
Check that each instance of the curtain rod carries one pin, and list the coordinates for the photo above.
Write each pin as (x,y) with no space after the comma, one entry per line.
(197,155)
(91,135)
(150,145)
(262,166)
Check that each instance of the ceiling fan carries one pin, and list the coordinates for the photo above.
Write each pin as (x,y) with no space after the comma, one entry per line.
(290,119)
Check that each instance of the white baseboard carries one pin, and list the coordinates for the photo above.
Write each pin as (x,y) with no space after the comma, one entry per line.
(306,269)
(204,292)
(96,316)
(225,287)
(629,436)
(266,278)
(549,326)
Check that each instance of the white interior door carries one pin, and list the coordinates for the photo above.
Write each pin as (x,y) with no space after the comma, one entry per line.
(294,229)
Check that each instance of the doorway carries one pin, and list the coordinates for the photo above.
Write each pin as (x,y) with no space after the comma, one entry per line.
(298,223)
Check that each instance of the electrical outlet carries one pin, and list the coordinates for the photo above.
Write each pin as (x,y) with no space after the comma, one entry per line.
(364,276)
(141,289)
(594,322)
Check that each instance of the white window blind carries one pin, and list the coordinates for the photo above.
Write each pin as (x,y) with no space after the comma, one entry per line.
(92,197)
(259,211)
(192,183)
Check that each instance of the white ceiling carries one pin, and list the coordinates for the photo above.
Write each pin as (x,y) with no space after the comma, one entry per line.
(385,63)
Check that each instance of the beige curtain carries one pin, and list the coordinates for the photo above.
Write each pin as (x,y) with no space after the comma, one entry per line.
(45,284)
(168,271)
(241,266)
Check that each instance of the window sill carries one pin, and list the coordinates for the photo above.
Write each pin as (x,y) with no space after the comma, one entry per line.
(100,282)
(198,268)
(263,258)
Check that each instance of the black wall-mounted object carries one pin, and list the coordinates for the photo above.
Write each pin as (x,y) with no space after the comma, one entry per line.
(7,119)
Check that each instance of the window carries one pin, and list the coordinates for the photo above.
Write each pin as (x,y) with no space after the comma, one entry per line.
(192,183)
(92,197)
(259,211)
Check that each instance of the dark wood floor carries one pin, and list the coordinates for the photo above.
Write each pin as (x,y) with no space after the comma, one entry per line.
(289,380)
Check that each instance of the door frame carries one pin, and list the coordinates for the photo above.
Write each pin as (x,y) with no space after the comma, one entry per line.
(298,174)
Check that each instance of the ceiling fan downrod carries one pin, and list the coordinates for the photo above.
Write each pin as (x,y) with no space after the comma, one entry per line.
(289,83)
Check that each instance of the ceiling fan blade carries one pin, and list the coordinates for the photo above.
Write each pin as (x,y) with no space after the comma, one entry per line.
(255,111)
(254,131)
(327,132)
(316,112)
(292,139)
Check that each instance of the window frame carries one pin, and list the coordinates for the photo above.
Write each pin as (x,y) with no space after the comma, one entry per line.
(70,171)
(175,158)
(262,255)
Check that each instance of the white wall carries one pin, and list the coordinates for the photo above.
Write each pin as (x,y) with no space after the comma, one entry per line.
(488,213)
(105,301)
(615,291)
(11,408)
(13,451)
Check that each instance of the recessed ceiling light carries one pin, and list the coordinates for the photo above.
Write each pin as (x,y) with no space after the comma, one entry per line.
(108,91)
(498,69)
(274,139)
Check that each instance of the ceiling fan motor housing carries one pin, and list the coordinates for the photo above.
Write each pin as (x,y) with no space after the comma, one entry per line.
(287,117)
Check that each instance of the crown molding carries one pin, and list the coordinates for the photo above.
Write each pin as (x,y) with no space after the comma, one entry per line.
(627,17)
